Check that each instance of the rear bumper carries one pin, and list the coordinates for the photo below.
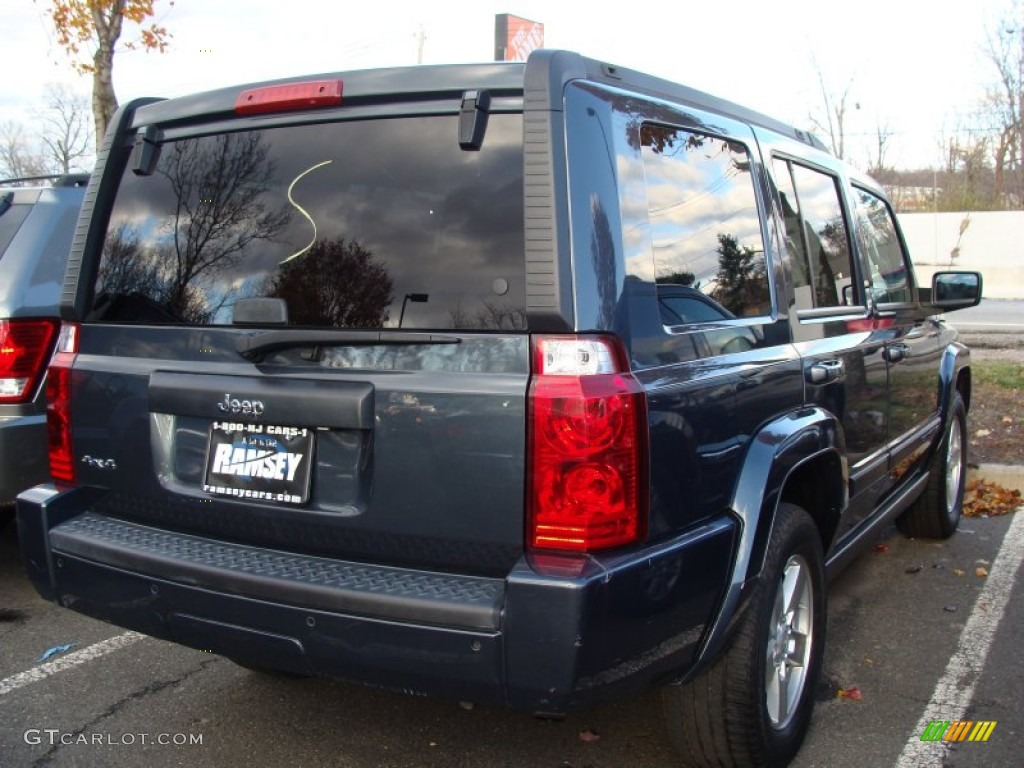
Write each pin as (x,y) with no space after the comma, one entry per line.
(557,632)
(23,448)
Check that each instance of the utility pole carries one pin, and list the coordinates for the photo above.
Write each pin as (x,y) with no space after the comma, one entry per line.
(421,38)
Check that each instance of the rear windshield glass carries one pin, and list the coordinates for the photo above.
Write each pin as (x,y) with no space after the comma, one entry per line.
(10,221)
(368,224)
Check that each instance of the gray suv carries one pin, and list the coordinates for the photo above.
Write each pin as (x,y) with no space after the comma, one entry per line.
(533,385)
(36,225)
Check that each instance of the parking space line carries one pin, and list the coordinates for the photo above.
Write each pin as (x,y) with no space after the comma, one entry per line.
(44,671)
(955,689)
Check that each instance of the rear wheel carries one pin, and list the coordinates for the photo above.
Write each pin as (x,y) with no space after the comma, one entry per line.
(936,514)
(753,706)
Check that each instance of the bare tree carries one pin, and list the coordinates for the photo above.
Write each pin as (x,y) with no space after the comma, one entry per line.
(876,158)
(18,159)
(1002,103)
(833,122)
(66,134)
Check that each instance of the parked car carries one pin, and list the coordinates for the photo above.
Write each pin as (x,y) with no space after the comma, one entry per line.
(37,221)
(402,377)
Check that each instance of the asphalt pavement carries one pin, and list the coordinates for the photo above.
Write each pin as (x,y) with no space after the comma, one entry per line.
(913,632)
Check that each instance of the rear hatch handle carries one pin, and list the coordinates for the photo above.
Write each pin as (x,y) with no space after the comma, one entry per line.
(256,346)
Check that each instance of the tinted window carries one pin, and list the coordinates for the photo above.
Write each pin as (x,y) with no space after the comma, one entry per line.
(704,220)
(10,222)
(876,233)
(816,230)
(358,224)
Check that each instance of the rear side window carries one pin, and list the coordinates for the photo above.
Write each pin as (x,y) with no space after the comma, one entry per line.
(363,224)
(10,222)
(876,233)
(704,219)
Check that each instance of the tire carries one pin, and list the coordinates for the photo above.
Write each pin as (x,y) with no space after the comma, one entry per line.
(732,714)
(936,513)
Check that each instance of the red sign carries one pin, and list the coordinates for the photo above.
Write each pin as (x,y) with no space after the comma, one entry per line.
(515,37)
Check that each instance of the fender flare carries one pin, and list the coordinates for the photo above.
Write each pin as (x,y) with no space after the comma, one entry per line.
(955,358)
(775,452)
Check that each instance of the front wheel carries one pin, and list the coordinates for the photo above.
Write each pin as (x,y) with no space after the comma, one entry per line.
(936,513)
(753,706)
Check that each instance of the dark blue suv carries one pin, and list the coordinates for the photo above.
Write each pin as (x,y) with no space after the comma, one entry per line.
(530,384)
(36,225)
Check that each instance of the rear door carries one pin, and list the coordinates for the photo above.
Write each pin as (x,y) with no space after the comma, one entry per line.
(311,337)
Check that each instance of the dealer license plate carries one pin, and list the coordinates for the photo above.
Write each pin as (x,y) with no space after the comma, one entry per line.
(261,462)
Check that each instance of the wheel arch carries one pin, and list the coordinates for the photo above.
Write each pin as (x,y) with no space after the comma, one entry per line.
(783,458)
(954,375)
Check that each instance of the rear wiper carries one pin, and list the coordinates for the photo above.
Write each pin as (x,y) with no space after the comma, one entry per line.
(256,346)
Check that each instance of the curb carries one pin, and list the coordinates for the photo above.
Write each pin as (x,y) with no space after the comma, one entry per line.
(1008,475)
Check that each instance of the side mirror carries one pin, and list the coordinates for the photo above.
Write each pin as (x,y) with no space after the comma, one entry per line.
(956,290)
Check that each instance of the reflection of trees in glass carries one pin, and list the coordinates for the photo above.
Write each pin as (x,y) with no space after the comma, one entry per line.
(336,284)
(216,212)
(678,278)
(218,185)
(742,282)
(494,316)
(124,270)
(135,282)
(661,138)
(833,261)
(602,256)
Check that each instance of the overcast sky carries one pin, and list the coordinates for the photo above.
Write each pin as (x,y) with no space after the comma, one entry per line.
(913,65)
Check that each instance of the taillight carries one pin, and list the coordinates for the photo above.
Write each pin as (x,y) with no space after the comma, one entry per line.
(58,405)
(588,446)
(25,346)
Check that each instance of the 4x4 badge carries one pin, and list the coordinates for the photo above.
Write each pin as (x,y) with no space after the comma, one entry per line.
(244,407)
(99,463)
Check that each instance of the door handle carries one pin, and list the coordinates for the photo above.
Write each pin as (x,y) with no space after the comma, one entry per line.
(894,353)
(825,372)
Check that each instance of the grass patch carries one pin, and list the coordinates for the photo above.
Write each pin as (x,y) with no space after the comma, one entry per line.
(997,373)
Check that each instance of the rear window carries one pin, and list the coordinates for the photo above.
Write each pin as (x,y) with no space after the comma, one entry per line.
(11,218)
(367,224)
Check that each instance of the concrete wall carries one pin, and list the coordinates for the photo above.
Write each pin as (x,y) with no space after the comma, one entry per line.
(992,243)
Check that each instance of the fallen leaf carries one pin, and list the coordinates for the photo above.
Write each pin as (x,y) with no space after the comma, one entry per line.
(882,548)
(980,572)
(958,571)
(983,433)
(914,569)
(852,692)
(983,498)
(1007,420)
(589,736)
